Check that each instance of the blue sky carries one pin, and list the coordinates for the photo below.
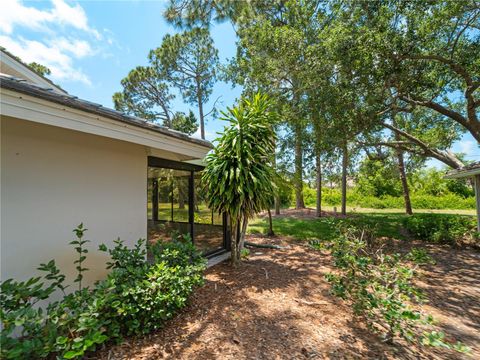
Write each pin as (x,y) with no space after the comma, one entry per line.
(91,45)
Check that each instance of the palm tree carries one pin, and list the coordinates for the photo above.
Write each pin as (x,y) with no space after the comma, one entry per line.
(239,176)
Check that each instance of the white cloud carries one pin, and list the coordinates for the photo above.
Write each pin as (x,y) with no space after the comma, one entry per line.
(467,146)
(78,48)
(60,64)
(14,13)
(60,53)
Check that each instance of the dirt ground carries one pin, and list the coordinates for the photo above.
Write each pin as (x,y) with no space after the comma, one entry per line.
(277,305)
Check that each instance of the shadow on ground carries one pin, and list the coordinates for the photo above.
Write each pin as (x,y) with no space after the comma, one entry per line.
(277,305)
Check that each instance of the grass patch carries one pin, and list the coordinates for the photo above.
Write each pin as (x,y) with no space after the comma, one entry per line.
(386,224)
(297,228)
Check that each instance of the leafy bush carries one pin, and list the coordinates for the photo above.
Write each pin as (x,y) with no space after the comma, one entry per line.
(285,191)
(309,195)
(441,228)
(378,178)
(380,288)
(332,197)
(135,298)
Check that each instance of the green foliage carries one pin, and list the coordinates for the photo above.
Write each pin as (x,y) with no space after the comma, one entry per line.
(332,197)
(81,251)
(432,182)
(378,178)
(187,124)
(437,339)
(443,229)
(309,196)
(239,177)
(284,190)
(245,253)
(380,287)
(40,69)
(189,60)
(420,257)
(135,298)
(379,187)
(145,94)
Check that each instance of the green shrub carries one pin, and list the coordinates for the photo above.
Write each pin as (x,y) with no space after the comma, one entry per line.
(332,197)
(285,192)
(380,288)
(135,298)
(441,228)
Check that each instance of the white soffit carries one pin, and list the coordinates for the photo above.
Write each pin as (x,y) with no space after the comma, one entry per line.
(13,67)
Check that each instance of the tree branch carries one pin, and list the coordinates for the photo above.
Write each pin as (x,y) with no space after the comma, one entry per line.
(446,157)
(438,108)
(213,107)
(460,70)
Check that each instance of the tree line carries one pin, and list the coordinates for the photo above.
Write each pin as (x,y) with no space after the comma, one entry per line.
(394,81)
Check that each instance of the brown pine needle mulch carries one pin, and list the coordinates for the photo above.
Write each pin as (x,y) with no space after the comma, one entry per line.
(277,305)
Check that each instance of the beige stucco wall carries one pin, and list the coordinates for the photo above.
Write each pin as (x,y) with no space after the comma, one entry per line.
(51,180)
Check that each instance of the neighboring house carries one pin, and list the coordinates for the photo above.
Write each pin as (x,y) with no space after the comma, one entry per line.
(471,171)
(65,161)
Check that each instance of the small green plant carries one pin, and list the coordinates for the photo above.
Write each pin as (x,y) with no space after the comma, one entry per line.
(420,257)
(245,253)
(135,298)
(380,287)
(79,248)
(437,339)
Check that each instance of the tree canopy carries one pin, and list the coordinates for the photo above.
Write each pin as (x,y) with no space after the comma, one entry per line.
(187,62)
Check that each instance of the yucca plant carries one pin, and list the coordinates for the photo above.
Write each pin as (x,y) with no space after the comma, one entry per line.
(239,176)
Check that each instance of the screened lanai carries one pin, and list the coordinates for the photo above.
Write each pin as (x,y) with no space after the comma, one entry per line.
(176,203)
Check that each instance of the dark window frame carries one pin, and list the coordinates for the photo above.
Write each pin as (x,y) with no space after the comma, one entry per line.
(177,165)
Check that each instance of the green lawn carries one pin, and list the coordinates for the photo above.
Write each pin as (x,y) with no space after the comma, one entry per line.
(356,209)
(387,224)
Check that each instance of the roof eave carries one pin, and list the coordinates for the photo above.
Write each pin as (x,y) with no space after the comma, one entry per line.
(462,173)
(73,102)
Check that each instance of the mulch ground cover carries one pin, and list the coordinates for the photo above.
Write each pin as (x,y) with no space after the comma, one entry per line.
(277,305)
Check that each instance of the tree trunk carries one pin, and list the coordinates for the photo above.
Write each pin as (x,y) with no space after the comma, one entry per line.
(401,170)
(270,224)
(317,126)
(241,241)
(319,185)
(181,194)
(239,228)
(276,199)
(298,178)
(200,110)
(344,178)
(234,242)
(403,178)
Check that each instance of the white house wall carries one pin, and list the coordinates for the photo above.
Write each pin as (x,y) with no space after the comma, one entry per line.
(46,112)
(51,180)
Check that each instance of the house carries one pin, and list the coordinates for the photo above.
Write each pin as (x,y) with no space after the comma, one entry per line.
(469,171)
(65,161)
